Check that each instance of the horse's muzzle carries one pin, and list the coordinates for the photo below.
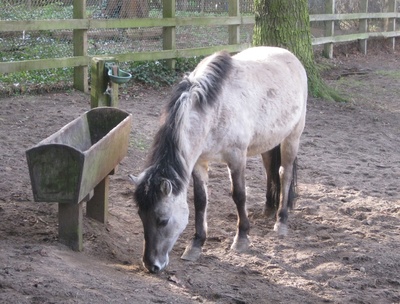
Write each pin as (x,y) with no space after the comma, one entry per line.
(155,266)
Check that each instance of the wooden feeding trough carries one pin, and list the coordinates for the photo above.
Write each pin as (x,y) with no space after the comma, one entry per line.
(72,166)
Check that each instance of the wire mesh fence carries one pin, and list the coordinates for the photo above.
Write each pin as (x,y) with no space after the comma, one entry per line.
(25,45)
(351,7)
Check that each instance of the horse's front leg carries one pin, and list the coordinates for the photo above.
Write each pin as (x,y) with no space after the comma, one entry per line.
(241,241)
(200,179)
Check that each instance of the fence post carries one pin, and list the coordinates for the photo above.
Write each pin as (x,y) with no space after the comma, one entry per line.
(80,47)
(329,28)
(363,26)
(234,30)
(392,21)
(169,40)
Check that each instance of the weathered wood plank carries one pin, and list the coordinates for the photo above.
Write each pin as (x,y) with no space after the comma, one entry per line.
(17,66)
(341,38)
(41,64)
(180,53)
(355,16)
(43,25)
(71,24)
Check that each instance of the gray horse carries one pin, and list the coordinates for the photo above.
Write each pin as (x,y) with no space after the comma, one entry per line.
(227,109)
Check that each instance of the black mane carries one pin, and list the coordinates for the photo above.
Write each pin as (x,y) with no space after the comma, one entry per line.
(166,160)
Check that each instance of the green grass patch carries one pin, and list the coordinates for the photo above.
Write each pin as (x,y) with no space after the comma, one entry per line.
(138,143)
(395,74)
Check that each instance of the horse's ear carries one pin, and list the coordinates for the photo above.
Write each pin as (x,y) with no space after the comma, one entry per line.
(166,187)
(136,180)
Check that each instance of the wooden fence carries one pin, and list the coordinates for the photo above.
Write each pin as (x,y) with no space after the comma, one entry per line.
(80,25)
(330,18)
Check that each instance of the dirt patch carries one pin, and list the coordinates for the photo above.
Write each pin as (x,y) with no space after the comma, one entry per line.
(344,241)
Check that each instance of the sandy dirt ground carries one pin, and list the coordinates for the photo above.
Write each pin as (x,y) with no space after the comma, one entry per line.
(344,239)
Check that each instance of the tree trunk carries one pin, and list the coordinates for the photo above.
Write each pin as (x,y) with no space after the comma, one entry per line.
(112,8)
(286,23)
(129,9)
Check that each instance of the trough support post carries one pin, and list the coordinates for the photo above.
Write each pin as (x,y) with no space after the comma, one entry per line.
(100,96)
(97,206)
(363,26)
(70,225)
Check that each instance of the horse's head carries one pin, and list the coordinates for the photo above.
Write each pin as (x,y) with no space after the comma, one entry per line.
(164,214)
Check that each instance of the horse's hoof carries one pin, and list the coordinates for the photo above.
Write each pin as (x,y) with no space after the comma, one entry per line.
(240,244)
(269,212)
(281,229)
(191,253)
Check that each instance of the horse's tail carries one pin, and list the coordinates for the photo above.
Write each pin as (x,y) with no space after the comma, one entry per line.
(275,180)
(293,187)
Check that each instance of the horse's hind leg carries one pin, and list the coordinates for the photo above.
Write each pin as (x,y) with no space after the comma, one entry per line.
(289,148)
(200,179)
(272,162)
(241,241)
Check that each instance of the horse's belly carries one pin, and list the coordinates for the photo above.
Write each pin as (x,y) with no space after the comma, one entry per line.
(264,142)
(221,151)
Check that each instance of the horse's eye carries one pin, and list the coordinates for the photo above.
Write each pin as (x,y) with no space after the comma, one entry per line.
(162,222)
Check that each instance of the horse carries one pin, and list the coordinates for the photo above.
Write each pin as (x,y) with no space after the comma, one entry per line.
(227,109)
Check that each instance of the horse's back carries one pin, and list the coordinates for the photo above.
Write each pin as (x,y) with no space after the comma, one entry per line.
(264,99)
(279,63)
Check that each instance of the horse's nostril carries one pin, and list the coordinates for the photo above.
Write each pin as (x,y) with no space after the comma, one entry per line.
(154,269)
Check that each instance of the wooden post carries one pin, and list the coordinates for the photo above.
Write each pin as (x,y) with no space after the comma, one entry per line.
(363,26)
(103,93)
(329,28)
(80,47)
(234,30)
(100,95)
(169,33)
(392,21)
(70,225)
(97,206)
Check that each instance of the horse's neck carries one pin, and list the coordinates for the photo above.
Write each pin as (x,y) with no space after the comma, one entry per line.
(194,137)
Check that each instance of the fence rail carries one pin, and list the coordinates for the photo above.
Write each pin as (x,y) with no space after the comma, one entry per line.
(168,24)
